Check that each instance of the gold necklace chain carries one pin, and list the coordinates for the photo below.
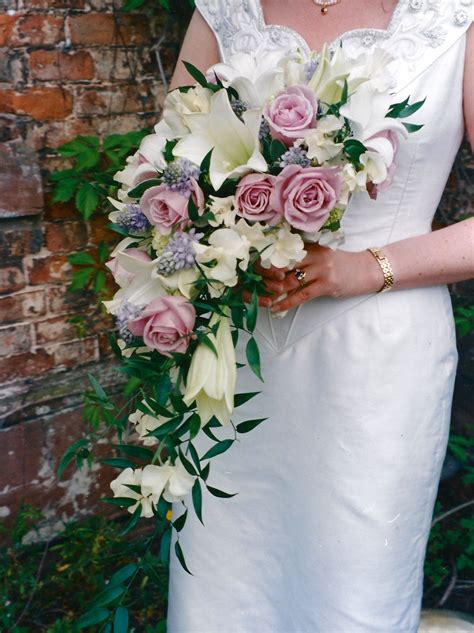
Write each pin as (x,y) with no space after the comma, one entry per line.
(325,4)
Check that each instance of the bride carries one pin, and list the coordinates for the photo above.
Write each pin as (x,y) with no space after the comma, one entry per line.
(336,490)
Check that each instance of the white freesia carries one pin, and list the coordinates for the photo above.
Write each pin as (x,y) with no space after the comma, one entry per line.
(182,281)
(227,249)
(211,379)
(320,141)
(171,481)
(286,250)
(224,210)
(146,499)
(235,142)
(256,236)
(256,77)
(144,424)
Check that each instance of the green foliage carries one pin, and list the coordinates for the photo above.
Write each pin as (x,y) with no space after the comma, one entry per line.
(50,587)
(464,319)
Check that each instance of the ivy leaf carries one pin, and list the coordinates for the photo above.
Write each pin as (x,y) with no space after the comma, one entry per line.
(81,259)
(87,200)
(218,448)
(121,620)
(197,499)
(65,189)
(253,357)
(249,425)
(81,278)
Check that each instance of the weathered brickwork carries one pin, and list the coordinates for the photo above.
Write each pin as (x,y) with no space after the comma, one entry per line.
(67,67)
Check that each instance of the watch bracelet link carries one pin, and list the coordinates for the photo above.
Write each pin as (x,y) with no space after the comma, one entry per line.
(384,263)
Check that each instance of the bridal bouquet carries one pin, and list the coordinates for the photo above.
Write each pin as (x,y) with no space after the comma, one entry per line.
(254,160)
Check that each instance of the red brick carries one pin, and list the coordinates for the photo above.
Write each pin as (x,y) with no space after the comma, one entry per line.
(100,29)
(54,330)
(53,269)
(25,365)
(75,353)
(37,29)
(56,4)
(21,188)
(15,339)
(59,210)
(126,99)
(43,104)
(24,305)
(63,237)
(99,232)
(58,66)
(7,24)
(61,301)
(21,242)
(12,279)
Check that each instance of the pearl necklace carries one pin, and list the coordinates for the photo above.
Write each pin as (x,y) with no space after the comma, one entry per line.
(325,4)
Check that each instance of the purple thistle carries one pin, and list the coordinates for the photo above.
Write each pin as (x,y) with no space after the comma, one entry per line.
(310,68)
(295,156)
(179,253)
(133,219)
(127,312)
(177,175)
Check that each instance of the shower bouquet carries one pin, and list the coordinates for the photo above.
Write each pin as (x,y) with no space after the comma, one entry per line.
(255,159)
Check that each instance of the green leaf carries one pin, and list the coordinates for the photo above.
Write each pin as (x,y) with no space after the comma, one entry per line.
(206,162)
(354,149)
(87,200)
(70,453)
(252,311)
(165,547)
(253,357)
(277,149)
(99,391)
(180,555)
(249,425)
(65,189)
(95,616)
(121,620)
(117,462)
(242,398)
(411,127)
(196,74)
(81,278)
(135,451)
(66,459)
(220,493)
(109,595)
(194,425)
(403,109)
(197,499)
(123,574)
(179,523)
(122,502)
(194,456)
(186,463)
(140,189)
(87,159)
(99,281)
(135,518)
(81,259)
(218,448)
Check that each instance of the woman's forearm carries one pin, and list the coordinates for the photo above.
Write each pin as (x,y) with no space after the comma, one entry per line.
(442,256)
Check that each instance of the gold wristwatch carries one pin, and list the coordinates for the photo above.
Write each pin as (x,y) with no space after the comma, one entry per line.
(384,263)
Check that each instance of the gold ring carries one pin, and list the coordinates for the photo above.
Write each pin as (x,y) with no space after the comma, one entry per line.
(300,276)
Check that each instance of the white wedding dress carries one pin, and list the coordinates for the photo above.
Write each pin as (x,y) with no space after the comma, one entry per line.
(336,489)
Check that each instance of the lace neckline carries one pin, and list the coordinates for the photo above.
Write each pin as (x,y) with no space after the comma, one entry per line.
(367,35)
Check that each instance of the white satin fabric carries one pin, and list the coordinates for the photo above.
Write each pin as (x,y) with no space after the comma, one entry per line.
(336,489)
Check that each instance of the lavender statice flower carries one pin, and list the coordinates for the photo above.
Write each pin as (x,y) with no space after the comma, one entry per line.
(177,175)
(310,68)
(133,219)
(127,312)
(264,131)
(295,156)
(239,107)
(179,253)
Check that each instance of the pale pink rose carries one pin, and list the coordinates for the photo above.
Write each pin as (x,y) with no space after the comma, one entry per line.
(165,208)
(292,112)
(253,199)
(374,189)
(165,324)
(306,195)
(121,274)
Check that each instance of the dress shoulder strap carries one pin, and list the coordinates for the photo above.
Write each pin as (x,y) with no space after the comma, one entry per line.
(424,32)
(237,24)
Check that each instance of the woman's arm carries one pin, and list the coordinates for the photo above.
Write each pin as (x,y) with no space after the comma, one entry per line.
(439,257)
(199,48)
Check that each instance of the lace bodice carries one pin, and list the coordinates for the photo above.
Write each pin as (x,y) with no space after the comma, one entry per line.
(419,30)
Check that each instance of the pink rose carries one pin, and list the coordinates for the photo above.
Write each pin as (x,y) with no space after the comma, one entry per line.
(306,195)
(292,112)
(121,274)
(253,198)
(164,207)
(165,324)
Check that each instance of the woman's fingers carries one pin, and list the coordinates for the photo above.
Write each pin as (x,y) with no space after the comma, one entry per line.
(277,274)
(264,302)
(301,295)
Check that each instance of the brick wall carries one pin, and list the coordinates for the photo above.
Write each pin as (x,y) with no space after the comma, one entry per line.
(67,67)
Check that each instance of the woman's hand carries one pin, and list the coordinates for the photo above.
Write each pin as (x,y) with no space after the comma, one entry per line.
(333,273)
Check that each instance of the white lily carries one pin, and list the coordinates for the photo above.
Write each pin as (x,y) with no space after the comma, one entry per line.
(211,379)
(256,78)
(144,424)
(235,143)
(145,284)
(327,81)
(182,281)
(145,498)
